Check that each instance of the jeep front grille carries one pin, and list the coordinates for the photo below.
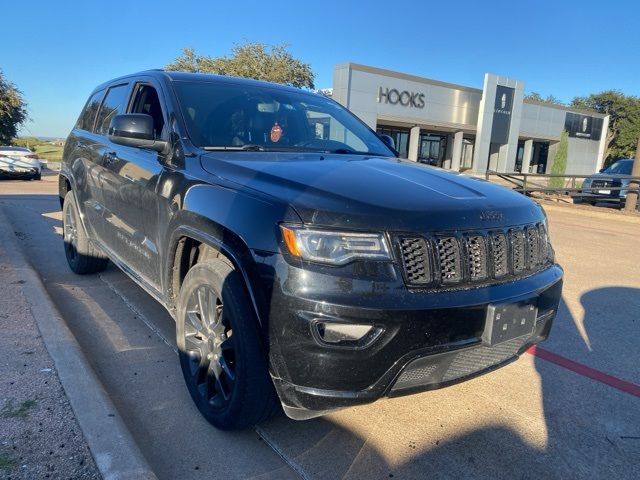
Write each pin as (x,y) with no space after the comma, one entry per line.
(473,258)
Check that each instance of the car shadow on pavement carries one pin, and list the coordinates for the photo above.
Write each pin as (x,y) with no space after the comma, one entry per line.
(567,427)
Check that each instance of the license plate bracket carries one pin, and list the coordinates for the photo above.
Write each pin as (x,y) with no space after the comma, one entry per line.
(506,321)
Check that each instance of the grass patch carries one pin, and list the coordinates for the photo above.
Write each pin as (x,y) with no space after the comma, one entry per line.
(51,153)
(6,462)
(8,411)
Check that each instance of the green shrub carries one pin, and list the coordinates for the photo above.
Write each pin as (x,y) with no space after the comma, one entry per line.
(559,166)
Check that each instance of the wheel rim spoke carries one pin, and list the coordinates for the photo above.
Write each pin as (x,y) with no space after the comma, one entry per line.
(195,322)
(210,346)
(227,369)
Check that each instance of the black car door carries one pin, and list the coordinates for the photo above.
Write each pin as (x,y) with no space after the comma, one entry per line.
(130,177)
(85,162)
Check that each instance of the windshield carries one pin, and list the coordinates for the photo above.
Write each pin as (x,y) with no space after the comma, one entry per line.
(621,167)
(229,116)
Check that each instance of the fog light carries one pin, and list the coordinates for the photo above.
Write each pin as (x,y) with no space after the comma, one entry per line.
(345,334)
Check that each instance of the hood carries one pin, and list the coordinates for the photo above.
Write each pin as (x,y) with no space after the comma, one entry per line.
(608,176)
(366,193)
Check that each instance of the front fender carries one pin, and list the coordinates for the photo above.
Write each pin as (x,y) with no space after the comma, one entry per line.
(235,223)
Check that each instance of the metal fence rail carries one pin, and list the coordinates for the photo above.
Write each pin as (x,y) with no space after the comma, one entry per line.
(522,182)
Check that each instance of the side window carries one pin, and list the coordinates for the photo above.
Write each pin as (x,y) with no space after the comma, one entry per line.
(146,101)
(88,115)
(114,103)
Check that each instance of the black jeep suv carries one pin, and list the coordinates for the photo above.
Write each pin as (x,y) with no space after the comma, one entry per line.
(304,264)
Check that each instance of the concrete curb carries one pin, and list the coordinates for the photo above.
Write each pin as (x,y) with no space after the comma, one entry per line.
(115,452)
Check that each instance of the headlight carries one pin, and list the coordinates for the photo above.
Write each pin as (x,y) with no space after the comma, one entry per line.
(335,248)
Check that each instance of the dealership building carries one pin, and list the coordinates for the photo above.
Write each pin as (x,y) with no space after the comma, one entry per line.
(465,128)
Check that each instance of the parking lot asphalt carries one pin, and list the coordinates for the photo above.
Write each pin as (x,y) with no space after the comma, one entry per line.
(533,418)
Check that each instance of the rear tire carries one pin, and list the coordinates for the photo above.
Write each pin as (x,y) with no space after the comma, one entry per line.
(223,360)
(82,256)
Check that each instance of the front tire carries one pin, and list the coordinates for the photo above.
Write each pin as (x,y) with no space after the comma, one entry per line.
(82,256)
(223,361)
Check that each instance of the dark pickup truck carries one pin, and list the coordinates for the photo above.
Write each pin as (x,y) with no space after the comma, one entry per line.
(304,264)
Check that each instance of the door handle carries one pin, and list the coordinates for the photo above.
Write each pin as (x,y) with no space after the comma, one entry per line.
(109,158)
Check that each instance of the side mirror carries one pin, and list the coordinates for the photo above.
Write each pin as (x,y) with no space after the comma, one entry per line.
(601,170)
(388,141)
(135,130)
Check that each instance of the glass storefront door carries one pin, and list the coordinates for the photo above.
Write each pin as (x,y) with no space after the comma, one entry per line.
(466,162)
(432,148)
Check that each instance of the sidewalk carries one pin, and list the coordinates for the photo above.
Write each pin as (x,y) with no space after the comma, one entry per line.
(39,435)
(56,419)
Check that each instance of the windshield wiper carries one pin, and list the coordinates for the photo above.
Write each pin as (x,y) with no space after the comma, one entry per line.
(250,147)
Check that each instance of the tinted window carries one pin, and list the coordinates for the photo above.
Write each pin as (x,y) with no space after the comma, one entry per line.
(88,115)
(147,101)
(220,115)
(113,104)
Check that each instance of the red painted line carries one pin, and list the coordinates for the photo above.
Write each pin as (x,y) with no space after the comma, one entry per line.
(585,371)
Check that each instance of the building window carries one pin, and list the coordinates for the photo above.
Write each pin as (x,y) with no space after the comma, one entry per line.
(400,137)
(433,148)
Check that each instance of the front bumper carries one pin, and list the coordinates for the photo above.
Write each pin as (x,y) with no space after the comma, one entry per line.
(429,339)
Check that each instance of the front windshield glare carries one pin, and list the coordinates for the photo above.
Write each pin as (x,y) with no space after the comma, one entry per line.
(233,116)
(621,168)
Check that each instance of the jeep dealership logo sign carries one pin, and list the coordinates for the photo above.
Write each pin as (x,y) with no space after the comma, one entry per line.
(502,109)
(583,126)
(404,98)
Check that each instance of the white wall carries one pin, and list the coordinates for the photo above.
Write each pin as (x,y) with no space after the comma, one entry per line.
(446,105)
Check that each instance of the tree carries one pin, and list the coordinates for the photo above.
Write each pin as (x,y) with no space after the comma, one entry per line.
(559,166)
(28,142)
(624,120)
(536,97)
(13,110)
(253,60)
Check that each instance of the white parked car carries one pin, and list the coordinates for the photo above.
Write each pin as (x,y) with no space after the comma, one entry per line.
(19,162)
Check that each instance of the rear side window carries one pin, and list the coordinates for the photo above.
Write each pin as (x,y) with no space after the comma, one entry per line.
(114,103)
(88,115)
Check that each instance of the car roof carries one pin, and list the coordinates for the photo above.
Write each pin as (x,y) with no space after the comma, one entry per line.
(7,148)
(174,76)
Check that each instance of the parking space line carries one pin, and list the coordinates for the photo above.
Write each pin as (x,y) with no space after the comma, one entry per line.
(583,370)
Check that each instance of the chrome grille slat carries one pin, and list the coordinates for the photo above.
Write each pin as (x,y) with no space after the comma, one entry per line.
(477,257)
(499,255)
(518,254)
(533,246)
(450,262)
(415,256)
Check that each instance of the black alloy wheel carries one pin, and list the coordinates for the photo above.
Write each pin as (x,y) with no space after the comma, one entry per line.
(222,353)
(209,344)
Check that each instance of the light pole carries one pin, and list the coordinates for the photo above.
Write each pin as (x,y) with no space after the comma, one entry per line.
(632,196)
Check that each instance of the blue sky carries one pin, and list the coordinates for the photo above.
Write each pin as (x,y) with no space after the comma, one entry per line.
(57,52)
